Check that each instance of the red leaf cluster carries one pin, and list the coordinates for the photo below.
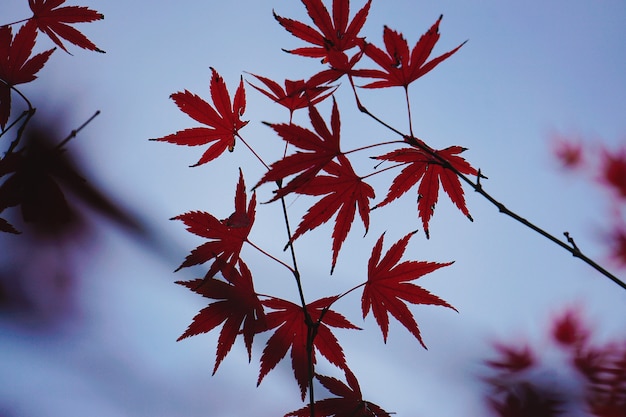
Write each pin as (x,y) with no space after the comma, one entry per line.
(315,165)
(517,388)
(607,168)
(17,66)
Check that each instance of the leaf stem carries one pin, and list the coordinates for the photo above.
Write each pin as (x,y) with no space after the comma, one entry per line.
(15,23)
(363,148)
(253,152)
(408,108)
(270,256)
(311,326)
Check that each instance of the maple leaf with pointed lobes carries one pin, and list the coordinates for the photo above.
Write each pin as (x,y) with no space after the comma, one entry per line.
(334,34)
(292,332)
(227,236)
(296,94)
(388,287)
(322,144)
(52,20)
(401,68)
(237,307)
(344,191)
(16,64)
(224,120)
(348,403)
(431,172)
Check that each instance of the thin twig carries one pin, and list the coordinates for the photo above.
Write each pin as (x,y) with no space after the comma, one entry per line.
(74,132)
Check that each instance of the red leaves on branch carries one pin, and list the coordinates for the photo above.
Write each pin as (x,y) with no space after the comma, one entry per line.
(388,287)
(323,146)
(344,191)
(237,307)
(347,403)
(224,120)
(432,172)
(52,20)
(227,236)
(400,67)
(593,381)
(293,332)
(16,64)
(334,35)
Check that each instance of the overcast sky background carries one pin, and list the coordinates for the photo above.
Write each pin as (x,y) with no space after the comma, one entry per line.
(529,70)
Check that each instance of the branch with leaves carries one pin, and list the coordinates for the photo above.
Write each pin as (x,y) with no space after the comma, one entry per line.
(315,164)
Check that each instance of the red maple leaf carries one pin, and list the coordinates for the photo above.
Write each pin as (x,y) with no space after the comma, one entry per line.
(292,332)
(348,403)
(344,191)
(388,288)
(16,64)
(430,170)
(334,34)
(400,67)
(322,144)
(296,94)
(52,21)
(224,121)
(227,236)
(238,308)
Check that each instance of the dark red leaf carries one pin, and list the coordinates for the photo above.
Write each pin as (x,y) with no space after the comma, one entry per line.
(333,35)
(238,308)
(292,333)
(348,403)
(388,287)
(296,94)
(224,121)
(344,192)
(399,67)
(323,146)
(52,20)
(227,236)
(16,64)
(424,167)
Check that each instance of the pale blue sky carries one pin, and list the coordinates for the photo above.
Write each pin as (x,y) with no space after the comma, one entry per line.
(528,70)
